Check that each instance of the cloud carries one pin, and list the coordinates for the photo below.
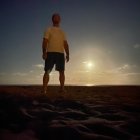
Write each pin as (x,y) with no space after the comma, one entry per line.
(19,74)
(136,46)
(120,69)
(124,67)
(132,74)
(39,66)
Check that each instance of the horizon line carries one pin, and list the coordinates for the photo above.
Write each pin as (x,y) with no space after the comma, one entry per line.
(85,85)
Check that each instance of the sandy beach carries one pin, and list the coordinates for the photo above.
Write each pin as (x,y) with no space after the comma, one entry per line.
(85,113)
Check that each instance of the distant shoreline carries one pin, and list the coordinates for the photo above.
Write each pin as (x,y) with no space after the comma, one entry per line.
(71,85)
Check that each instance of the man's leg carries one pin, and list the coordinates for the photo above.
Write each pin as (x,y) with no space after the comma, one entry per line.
(62,79)
(45,81)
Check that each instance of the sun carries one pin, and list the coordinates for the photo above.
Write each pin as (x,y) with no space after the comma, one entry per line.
(89,64)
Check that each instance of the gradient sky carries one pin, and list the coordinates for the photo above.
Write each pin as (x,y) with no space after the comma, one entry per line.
(103,36)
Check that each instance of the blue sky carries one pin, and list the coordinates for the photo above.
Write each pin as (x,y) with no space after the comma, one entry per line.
(103,36)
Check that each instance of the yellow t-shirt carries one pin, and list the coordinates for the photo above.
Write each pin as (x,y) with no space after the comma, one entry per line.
(56,39)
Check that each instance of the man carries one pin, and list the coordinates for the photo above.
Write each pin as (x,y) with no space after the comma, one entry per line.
(55,49)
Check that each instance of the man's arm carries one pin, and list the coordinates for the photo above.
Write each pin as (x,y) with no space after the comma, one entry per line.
(66,47)
(44,48)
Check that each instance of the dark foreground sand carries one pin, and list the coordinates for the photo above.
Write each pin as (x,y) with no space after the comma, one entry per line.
(85,113)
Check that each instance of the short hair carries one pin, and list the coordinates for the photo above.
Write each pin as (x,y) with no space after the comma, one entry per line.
(55,14)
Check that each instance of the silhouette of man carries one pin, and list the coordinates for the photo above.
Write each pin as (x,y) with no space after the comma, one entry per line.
(55,50)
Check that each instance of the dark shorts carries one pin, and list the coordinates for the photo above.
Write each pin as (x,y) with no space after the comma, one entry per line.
(55,58)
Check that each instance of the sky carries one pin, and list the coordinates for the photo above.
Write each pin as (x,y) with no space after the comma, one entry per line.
(103,37)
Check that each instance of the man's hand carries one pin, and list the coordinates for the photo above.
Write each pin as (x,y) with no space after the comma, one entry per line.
(67,58)
(44,56)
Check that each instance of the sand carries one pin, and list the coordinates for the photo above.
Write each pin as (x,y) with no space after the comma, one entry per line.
(85,113)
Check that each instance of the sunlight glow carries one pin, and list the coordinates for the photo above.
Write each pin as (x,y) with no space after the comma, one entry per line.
(89,64)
